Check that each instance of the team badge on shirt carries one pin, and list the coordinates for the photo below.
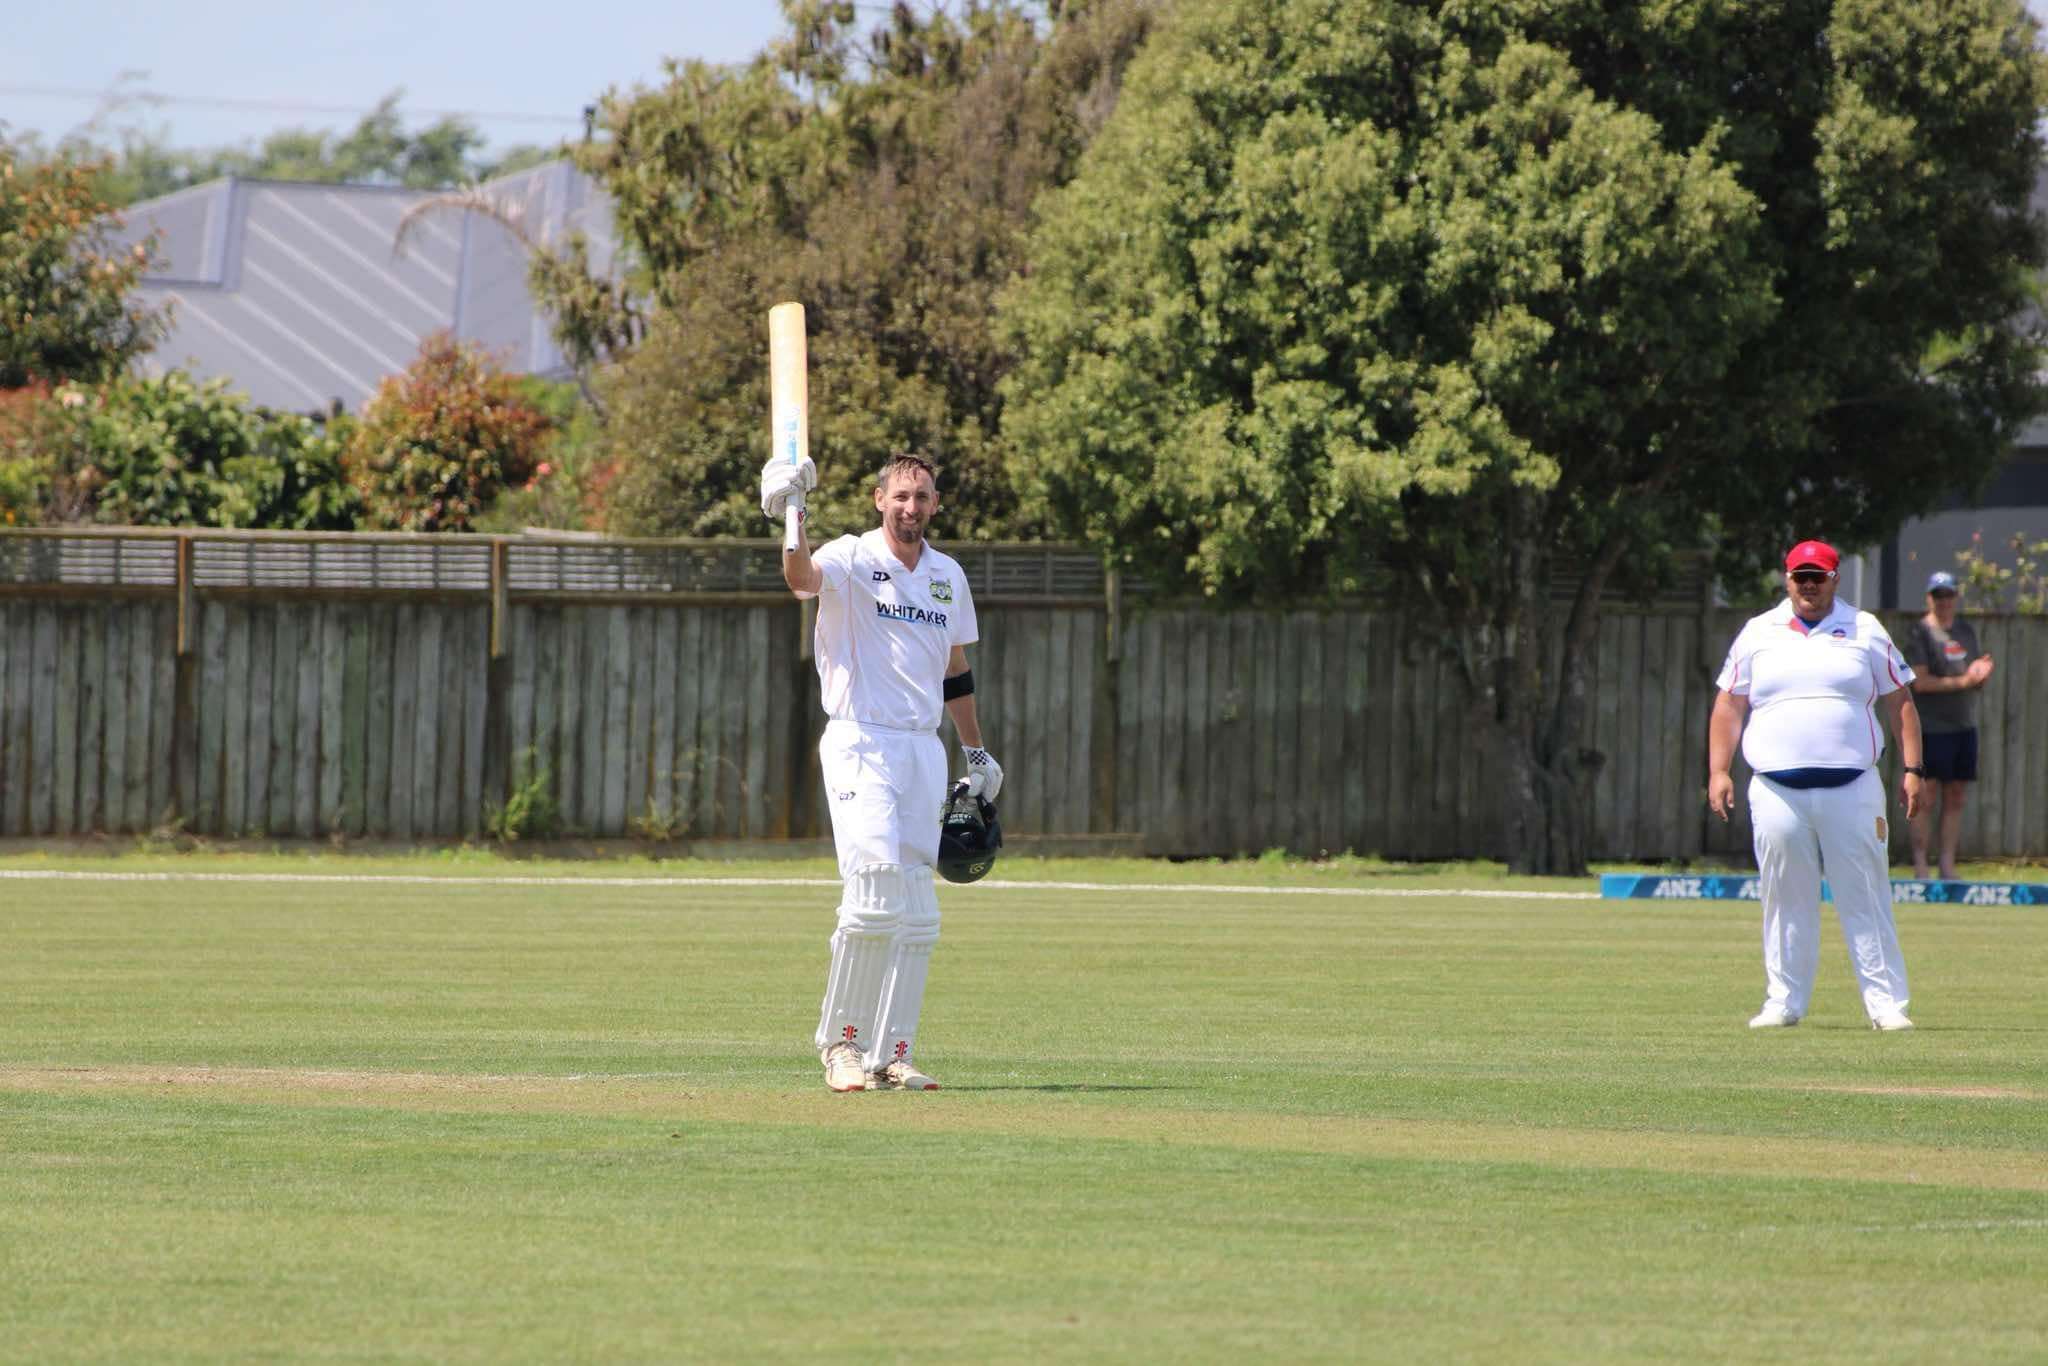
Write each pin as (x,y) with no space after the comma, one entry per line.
(942,590)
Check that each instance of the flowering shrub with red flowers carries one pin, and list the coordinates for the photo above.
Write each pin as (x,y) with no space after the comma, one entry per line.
(437,443)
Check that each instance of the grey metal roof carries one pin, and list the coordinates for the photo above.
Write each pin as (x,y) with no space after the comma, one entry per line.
(294,291)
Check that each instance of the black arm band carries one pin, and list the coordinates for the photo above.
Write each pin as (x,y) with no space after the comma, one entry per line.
(960,685)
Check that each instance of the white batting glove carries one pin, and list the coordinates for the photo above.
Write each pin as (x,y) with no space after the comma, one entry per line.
(984,774)
(780,480)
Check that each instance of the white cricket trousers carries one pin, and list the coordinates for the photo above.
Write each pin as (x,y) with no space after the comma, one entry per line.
(1798,832)
(885,789)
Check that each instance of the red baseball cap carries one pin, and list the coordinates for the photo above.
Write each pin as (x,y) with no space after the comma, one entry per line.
(1817,554)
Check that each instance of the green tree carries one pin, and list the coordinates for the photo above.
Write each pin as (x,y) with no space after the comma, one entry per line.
(1481,302)
(166,452)
(136,163)
(169,452)
(65,286)
(436,444)
(886,180)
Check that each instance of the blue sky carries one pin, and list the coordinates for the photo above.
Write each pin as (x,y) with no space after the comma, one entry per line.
(491,57)
(482,57)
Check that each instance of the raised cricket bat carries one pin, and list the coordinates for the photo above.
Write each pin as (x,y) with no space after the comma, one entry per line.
(789,404)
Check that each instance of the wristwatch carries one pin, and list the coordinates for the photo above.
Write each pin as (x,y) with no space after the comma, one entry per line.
(1915,769)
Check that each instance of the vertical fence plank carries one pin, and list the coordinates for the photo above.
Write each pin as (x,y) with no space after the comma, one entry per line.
(284,729)
(523,648)
(380,711)
(356,686)
(1083,630)
(234,794)
(118,708)
(1147,680)
(162,638)
(618,716)
(2027,745)
(547,707)
(639,742)
(402,740)
(596,698)
(416,725)
(64,747)
(92,720)
(332,694)
(686,759)
(305,751)
(663,683)
(1447,764)
(14,718)
(255,683)
(470,701)
(569,671)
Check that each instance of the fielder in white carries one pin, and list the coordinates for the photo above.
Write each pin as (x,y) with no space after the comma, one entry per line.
(1809,676)
(894,619)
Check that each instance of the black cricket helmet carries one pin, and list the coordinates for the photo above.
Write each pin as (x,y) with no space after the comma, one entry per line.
(969,836)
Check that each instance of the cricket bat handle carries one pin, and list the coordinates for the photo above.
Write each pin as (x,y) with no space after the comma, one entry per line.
(793,523)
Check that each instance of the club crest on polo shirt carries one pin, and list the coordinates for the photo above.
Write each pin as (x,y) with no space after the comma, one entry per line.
(942,590)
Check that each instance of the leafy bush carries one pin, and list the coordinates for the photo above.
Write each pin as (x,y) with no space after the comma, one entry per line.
(66,287)
(169,452)
(568,474)
(166,452)
(437,443)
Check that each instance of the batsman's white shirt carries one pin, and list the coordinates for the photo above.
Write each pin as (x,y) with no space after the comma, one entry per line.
(884,636)
(1813,690)
(885,632)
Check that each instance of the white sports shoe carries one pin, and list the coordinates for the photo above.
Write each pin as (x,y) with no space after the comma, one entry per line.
(1773,1016)
(904,1076)
(843,1070)
(1891,1020)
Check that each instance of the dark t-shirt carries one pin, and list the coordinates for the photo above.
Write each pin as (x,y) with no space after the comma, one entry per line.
(1944,654)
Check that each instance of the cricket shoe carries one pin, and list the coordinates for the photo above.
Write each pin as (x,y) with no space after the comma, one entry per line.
(1890,1021)
(1773,1016)
(843,1068)
(901,1074)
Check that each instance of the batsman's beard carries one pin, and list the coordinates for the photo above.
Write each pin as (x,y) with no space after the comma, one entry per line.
(907,529)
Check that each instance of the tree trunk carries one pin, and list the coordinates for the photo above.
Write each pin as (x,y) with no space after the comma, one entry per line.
(1531,703)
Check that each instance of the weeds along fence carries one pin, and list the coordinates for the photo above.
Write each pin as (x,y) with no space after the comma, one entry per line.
(287,685)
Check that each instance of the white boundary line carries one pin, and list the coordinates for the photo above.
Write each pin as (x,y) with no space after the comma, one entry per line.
(997,884)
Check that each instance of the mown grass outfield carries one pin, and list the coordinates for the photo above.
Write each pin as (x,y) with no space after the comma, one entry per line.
(577,1120)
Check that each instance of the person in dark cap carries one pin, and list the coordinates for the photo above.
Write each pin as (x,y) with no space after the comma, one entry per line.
(1948,673)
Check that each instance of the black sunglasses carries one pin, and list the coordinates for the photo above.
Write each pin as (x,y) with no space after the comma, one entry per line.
(1811,575)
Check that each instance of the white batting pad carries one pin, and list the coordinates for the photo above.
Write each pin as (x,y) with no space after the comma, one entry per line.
(870,912)
(910,959)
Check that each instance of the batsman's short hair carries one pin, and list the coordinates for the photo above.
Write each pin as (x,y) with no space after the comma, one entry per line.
(903,462)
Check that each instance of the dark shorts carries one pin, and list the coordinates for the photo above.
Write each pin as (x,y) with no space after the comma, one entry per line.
(1950,756)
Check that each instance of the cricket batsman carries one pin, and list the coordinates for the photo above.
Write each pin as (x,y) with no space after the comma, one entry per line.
(1809,676)
(894,619)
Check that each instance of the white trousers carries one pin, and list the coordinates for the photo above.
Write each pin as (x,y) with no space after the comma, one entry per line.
(885,789)
(1798,832)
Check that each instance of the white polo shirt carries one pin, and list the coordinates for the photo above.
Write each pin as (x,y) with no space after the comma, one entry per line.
(885,633)
(1813,690)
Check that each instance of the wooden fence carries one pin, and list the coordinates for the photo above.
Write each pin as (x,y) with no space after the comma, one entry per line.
(227,684)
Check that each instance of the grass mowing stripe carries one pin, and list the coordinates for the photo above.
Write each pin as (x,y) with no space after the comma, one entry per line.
(374,1233)
(985,885)
(1359,1136)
